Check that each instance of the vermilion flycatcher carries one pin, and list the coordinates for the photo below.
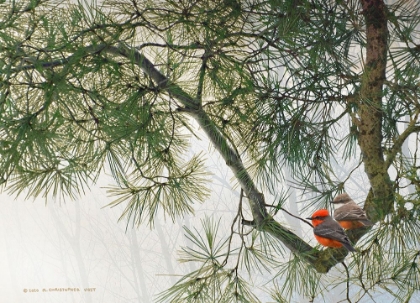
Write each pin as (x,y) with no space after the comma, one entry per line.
(349,215)
(328,232)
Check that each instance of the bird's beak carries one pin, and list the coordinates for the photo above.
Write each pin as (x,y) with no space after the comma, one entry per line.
(309,218)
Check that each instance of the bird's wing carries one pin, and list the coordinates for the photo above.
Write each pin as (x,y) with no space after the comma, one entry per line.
(351,214)
(334,232)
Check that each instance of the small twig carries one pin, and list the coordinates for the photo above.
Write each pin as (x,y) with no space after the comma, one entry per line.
(247,222)
(290,214)
(232,231)
(348,282)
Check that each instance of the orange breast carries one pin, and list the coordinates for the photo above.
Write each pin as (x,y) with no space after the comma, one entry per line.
(350,224)
(328,242)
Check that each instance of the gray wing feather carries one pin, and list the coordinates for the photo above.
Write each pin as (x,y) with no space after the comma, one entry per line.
(332,232)
(354,214)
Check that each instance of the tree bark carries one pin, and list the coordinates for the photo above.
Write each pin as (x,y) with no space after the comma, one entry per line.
(370,112)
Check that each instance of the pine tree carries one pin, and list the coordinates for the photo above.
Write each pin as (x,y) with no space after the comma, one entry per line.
(275,85)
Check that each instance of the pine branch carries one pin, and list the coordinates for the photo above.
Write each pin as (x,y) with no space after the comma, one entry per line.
(216,137)
(324,260)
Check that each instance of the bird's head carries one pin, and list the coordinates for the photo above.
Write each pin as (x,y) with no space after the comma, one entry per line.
(319,216)
(341,199)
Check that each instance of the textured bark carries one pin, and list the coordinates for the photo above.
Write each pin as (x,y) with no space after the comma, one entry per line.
(379,202)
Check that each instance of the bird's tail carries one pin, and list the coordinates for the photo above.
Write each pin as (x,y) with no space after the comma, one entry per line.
(348,246)
(366,222)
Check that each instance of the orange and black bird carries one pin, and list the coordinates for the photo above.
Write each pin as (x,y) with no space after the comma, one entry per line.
(348,214)
(328,232)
